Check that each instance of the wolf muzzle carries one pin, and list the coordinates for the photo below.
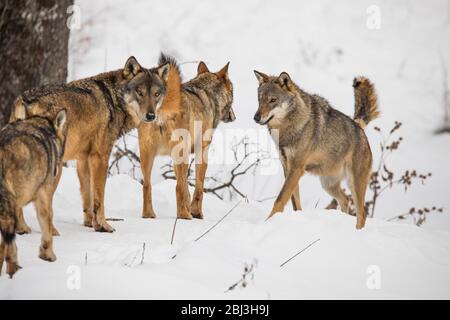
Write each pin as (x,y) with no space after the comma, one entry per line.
(150,116)
(229,116)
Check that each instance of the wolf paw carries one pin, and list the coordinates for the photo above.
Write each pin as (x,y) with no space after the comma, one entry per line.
(55,232)
(88,219)
(103,227)
(47,255)
(186,216)
(197,215)
(23,229)
(148,215)
(12,268)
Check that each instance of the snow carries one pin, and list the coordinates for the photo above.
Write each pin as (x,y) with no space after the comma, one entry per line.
(323,46)
(412,262)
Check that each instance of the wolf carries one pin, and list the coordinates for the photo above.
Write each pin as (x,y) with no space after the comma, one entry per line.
(316,138)
(31,152)
(99,110)
(196,107)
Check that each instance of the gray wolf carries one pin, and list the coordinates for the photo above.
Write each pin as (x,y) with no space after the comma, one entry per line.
(316,138)
(99,110)
(204,101)
(31,151)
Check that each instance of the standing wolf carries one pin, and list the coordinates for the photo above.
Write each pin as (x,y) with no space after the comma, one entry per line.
(99,110)
(196,108)
(30,155)
(316,138)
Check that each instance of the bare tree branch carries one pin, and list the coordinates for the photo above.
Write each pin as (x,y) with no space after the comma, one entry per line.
(243,165)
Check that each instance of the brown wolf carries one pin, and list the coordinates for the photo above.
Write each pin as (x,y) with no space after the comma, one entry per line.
(197,107)
(30,155)
(99,110)
(314,137)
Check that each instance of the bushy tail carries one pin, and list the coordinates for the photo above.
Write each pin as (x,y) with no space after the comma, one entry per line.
(366,101)
(172,100)
(7,214)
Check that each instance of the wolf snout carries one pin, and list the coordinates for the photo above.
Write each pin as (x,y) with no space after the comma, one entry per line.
(257,118)
(150,116)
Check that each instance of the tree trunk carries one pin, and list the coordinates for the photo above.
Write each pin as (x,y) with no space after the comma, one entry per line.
(33,47)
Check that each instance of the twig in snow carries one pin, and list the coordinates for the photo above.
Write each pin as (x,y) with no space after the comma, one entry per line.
(446,97)
(419,215)
(85,259)
(115,219)
(134,258)
(243,164)
(215,225)
(143,253)
(248,273)
(284,263)
(265,199)
(188,62)
(317,203)
(126,153)
(173,230)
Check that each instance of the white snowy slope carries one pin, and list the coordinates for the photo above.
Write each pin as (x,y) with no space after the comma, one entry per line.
(323,45)
(406,261)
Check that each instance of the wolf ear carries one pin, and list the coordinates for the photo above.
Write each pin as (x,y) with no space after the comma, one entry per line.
(132,68)
(163,71)
(223,73)
(20,112)
(202,68)
(60,121)
(262,78)
(285,80)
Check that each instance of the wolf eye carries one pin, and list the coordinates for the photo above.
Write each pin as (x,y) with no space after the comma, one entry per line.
(139,92)
(272,100)
(157,94)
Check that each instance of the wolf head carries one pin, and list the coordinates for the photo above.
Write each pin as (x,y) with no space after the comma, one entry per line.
(276,97)
(143,90)
(220,87)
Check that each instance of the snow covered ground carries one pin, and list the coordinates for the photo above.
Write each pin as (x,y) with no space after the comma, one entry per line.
(322,45)
(386,260)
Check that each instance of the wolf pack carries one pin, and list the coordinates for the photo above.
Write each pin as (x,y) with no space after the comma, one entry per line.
(81,120)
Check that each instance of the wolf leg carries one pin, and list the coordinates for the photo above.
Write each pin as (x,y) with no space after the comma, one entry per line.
(201,164)
(148,154)
(332,186)
(358,181)
(295,199)
(84,176)
(44,210)
(55,231)
(2,253)
(182,191)
(288,188)
(98,165)
(12,264)
(22,226)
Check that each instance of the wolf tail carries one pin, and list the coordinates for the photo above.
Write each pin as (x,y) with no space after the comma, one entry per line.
(366,101)
(7,214)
